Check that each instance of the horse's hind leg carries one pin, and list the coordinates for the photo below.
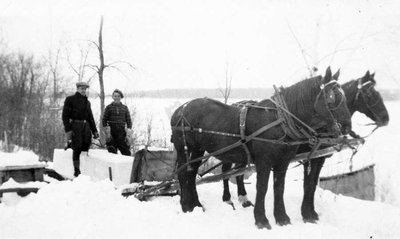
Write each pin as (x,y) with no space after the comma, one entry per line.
(241,190)
(309,185)
(226,196)
(192,178)
(183,178)
(242,194)
(279,187)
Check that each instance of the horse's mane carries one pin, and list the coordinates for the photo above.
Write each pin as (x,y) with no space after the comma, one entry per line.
(301,96)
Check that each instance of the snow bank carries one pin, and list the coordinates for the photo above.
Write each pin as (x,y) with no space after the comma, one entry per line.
(19,158)
(85,209)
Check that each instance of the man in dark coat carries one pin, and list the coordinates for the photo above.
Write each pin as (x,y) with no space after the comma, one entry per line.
(78,123)
(118,119)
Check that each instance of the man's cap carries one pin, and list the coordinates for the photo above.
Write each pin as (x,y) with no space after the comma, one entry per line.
(82,84)
(119,92)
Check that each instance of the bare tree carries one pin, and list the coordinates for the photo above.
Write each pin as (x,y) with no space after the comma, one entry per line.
(79,68)
(97,69)
(226,90)
(100,71)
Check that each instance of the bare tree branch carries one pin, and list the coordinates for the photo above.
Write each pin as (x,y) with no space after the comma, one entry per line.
(303,52)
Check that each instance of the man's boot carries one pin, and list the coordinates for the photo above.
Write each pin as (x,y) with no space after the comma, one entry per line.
(77,171)
(75,161)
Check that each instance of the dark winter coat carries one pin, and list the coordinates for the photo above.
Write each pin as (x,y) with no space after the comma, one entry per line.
(77,117)
(117,116)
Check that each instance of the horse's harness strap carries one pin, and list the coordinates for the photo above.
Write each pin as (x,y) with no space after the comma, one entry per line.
(242,125)
(232,146)
(289,126)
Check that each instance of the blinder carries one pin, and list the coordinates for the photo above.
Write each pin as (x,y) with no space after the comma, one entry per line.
(330,98)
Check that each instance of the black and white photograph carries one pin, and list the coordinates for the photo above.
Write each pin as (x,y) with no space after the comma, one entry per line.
(199,119)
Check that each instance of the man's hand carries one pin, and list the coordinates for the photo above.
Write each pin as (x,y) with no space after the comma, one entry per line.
(68,135)
(96,135)
(107,131)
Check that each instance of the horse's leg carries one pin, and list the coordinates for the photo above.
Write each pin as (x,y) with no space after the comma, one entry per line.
(192,178)
(310,184)
(241,190)
(279,187)
(263,171)
(226,196)
(183,182)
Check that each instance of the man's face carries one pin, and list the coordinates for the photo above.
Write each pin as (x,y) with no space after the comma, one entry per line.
(82,90)
(116,97)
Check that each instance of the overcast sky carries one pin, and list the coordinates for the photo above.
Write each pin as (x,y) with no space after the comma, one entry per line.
(191,44)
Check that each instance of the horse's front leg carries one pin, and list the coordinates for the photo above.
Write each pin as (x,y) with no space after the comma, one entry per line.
(309,185)
(263,171)
(279,187)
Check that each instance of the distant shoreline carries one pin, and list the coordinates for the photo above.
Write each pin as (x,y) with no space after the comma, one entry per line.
(236,93)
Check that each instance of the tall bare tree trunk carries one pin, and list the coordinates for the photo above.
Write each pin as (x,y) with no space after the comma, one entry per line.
(100,72)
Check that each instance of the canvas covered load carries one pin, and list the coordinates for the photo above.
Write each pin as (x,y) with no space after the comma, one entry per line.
(153,165)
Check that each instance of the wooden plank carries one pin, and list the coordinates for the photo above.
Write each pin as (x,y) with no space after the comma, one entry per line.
(20,191)
(327,151)
(13,190)
(21,167)
(22,175)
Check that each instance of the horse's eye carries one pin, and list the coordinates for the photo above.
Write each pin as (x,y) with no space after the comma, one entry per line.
(331,97)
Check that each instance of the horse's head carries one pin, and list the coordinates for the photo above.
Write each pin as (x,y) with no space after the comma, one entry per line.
(368,100)
(330,104)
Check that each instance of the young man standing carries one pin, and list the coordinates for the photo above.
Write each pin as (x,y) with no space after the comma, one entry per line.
(117,118)
(78,123)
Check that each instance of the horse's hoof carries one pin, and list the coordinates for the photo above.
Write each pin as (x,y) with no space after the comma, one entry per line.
(309,220)
(311,217)
(245,201)
(231,204)
(263,225)
(187,208)
(283,221)
(247,204)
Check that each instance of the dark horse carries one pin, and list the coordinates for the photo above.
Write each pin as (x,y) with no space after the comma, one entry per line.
(193,123)
(362,97)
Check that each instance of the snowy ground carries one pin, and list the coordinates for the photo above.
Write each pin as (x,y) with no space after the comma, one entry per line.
(85,209)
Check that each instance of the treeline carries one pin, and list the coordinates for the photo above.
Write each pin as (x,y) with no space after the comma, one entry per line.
(29,105)
(236,93)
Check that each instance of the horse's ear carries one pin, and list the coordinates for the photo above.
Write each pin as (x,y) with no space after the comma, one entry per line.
(367,75)
(336,75)
(372,78)
(328,75)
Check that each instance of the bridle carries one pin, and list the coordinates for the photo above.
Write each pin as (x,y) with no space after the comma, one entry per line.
(360,91)
(322,92)
(371,107)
